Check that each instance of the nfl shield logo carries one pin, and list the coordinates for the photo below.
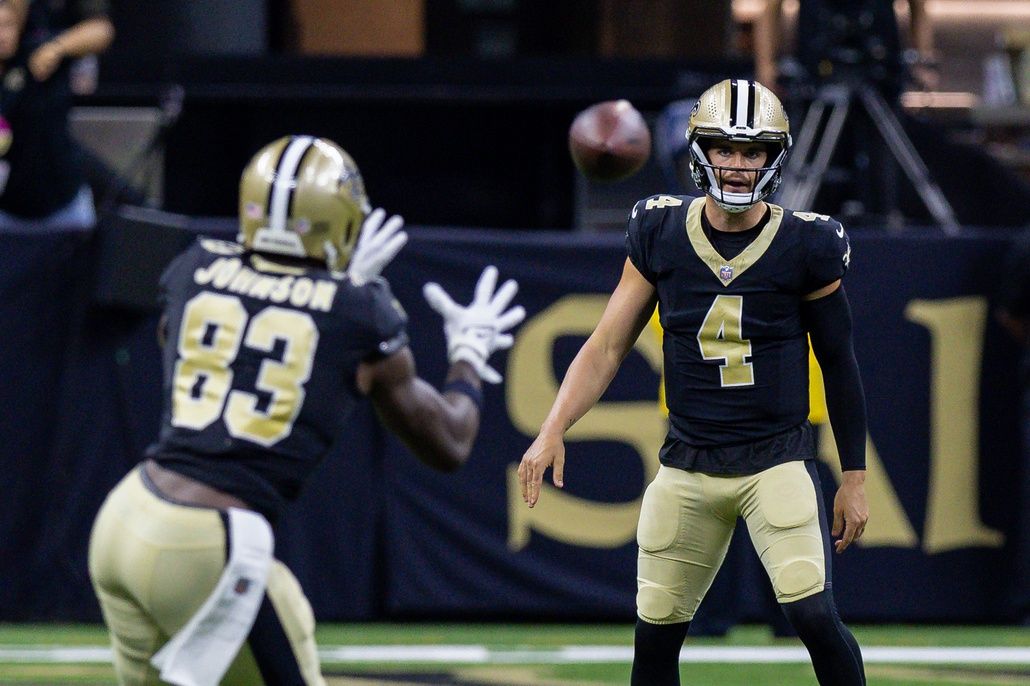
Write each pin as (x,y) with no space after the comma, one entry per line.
(725,272)
(242,585)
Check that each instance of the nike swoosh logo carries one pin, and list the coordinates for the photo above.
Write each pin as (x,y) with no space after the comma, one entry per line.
(840,232)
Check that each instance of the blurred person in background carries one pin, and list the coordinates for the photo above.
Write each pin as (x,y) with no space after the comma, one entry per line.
(67,31)
(853,43)
(42,185)
(837,39)
(73,34)
(857,42)
(739,291)
(268,345)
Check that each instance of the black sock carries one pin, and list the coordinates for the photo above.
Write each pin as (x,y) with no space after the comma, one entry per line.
(836,657)
(656,653)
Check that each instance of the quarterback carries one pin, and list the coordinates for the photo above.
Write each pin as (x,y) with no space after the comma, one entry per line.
(741,284)
(268,343)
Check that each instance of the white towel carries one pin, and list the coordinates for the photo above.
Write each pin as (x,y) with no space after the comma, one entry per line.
(201,652)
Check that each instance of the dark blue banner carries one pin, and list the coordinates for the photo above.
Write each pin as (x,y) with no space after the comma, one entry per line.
(376,535)
(944,465)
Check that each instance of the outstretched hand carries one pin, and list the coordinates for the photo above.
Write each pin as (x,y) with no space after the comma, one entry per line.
(377,245)
(476,331)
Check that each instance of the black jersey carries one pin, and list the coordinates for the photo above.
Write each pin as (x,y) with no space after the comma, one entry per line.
(735,350)
(259,367)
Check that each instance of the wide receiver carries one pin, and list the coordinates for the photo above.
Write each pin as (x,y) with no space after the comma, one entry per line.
(740,284)
(268,344)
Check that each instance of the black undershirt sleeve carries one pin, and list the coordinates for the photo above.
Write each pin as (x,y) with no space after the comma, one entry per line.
(828,321)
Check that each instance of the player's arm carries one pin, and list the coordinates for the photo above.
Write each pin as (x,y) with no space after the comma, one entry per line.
(767,41)
(588,376)
(827,317)
(439,428)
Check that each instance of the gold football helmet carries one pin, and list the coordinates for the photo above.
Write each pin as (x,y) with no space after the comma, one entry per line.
(743,111)
(304,197)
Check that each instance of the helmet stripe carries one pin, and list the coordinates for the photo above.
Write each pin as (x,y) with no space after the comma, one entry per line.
(741,104)
(286,181)
(733,103)
(751,102)
(293,187)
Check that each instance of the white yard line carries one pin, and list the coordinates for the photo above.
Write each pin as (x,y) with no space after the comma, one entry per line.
(482,655)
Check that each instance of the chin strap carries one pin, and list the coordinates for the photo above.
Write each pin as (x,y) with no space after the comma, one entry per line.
(733,209)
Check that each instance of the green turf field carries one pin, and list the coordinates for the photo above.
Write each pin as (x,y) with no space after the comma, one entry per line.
(545,655)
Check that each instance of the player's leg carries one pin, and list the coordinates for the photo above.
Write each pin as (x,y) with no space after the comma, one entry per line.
(281,644)
(784,513)
(656,651)
(134,639)
(835,654)
(682,537)
(152,564)
(280,650)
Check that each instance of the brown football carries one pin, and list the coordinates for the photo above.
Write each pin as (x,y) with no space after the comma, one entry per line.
(609,141)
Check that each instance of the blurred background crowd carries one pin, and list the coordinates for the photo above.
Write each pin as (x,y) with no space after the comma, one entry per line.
(434,95)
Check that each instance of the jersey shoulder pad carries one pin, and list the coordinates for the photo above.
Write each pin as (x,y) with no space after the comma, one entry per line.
(650,212)
(826,246)
(816,227)
(195,254)
(645,225)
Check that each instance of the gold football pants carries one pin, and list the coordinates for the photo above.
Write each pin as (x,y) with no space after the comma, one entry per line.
(153,563)
(687,520)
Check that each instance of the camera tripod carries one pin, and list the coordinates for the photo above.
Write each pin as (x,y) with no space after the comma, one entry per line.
(803,177)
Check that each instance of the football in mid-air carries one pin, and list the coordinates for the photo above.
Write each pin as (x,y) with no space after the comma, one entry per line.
(609,141)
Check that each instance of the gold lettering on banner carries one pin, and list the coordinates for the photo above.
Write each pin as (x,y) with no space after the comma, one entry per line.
(531,389)
(956,327)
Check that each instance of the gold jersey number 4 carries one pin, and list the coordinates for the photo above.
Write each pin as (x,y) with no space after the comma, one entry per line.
(720,338)
(214,327)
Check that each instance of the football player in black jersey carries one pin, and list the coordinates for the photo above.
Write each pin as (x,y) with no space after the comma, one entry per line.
(268,344)
(741,285)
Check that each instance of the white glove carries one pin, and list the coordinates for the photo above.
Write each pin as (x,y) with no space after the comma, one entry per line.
(378,243)
(476,331)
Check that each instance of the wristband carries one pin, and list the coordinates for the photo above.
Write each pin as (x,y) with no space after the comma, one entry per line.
(465,388)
